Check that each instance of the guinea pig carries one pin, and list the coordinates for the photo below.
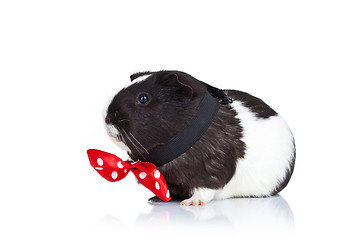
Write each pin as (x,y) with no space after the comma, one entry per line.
(208,143)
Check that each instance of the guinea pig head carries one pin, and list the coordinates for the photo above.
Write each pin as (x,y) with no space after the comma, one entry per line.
(152,109)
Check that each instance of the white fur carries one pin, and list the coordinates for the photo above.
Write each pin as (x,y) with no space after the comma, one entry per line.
(141,78)
(113,133)
(138,80)
(269,151)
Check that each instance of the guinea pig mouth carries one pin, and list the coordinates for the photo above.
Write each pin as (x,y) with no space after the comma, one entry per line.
(117,137)
(113,133)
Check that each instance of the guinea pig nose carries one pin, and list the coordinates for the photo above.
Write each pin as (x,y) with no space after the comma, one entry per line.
(107,119)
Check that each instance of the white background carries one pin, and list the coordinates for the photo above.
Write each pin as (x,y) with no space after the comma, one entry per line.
(60,61)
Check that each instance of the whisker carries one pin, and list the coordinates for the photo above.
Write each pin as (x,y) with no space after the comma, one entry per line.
(123,120)
(127,136)
(136,147)
(121,137)
(138,142)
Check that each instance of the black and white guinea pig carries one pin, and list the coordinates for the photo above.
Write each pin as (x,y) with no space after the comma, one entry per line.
(247,151)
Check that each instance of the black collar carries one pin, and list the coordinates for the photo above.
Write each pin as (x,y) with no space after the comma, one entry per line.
(187,137)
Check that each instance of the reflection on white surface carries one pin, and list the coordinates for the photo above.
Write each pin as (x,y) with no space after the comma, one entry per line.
(245,215)
(272,214)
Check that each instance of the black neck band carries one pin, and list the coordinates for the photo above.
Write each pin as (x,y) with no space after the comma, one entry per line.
(187,137)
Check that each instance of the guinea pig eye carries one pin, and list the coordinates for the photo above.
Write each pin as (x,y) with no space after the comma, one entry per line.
(143,98)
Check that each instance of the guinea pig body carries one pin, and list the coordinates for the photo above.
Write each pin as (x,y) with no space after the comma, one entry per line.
(247,151)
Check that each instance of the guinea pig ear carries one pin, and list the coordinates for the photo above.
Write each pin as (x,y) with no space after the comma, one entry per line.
(218,93)
(182,89)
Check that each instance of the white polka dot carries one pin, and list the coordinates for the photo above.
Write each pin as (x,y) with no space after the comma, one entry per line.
(157,186)
(125,170)
(120,165)
(114,175)
(142,175)
(167,194)
(157,174)
(100,162)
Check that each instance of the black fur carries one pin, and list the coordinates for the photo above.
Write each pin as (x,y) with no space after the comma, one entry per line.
(289,172)
(256,105)
(174,98)
(211,162)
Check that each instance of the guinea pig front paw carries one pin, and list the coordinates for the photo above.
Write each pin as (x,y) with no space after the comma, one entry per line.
(192,202)
(200,197)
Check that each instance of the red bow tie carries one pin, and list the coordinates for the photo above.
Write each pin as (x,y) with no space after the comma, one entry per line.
(113,169)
